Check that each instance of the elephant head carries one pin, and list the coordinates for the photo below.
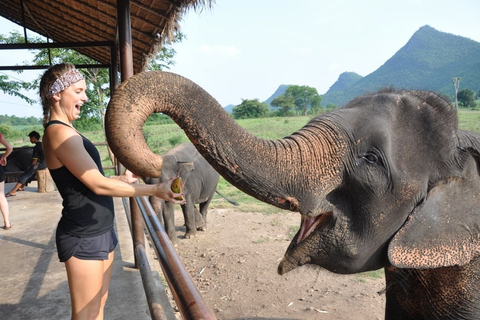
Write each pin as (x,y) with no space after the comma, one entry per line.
(386,180)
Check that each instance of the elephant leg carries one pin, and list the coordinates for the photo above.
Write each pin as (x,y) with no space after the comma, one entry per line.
(203,211)
(157,207)
(169,221)
(189,216)
(199,221)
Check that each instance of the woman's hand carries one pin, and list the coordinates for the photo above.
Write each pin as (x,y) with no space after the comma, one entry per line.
(127,177)
(130,177)
(3,161)
(164,191)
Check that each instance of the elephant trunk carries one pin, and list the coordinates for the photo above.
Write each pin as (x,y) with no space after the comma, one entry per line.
(278,172)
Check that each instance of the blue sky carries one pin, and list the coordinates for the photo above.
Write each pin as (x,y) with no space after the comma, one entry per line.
(246,49)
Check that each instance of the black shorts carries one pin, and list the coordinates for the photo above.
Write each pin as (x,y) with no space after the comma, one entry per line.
(2,174)
(25,176)
(91,248)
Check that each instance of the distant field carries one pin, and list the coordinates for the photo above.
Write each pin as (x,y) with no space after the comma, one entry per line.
(162,138)
(469,120)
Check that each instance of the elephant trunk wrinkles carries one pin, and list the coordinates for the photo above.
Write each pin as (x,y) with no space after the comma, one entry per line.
(273,171)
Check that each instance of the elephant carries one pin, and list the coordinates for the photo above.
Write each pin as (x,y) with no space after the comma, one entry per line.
(18,161)
(200,182)
(386,181)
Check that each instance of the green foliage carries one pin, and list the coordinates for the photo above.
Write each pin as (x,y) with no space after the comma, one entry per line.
(98,83)
(17,121)
(285,104)
(305,98)
(6,130)
(13,87)
(250,109)
(18,135)
(175,140)
(299,98)
(97,79)
(159,118)
(466,98)
(160,137)
(164,59)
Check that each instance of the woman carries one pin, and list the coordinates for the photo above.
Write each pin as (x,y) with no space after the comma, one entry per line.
(3,201)
(85,237)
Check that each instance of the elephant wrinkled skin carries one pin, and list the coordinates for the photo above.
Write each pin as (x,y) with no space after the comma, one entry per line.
(388,181)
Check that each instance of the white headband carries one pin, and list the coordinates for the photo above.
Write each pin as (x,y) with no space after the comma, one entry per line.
(64,81)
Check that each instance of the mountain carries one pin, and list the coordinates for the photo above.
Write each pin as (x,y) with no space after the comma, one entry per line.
(229,108)
(428,61)
(280,90)
(345,81)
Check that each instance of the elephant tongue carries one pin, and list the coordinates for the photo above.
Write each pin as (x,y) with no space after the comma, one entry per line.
(308,225)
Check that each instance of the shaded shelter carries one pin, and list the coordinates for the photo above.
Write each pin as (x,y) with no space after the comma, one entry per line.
(122,35)
(91,27)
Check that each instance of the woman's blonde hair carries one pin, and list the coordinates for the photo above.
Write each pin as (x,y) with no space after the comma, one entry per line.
(48,79)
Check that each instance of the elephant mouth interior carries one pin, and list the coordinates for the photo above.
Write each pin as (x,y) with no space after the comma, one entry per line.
(309,224)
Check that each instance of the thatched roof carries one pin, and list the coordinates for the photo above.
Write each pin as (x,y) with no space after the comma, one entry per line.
(64,21)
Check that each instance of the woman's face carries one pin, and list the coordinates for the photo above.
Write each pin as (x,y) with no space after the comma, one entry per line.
(72,99)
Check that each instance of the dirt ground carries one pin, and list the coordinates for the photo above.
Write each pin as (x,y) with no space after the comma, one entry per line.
(234,265)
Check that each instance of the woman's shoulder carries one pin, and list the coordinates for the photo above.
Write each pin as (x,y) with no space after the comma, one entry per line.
(58,134)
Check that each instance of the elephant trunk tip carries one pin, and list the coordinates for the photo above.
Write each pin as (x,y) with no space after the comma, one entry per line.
(285,266)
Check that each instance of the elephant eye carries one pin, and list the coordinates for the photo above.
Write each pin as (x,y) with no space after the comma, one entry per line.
(371,158)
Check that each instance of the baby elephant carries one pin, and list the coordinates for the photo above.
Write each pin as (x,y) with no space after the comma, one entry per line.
(200,181)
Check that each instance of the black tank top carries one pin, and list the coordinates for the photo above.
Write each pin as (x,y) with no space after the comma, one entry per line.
(84,213)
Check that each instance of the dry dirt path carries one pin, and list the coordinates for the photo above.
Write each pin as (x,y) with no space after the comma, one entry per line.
(234,264)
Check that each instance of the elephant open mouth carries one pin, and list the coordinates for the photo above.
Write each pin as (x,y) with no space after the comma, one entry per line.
(309,224)
(300,250)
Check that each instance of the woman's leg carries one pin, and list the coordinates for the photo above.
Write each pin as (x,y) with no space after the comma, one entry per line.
(107,275)
(4,205)
(88,281)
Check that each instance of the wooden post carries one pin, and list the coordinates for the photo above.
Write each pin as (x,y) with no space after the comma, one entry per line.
(45,181)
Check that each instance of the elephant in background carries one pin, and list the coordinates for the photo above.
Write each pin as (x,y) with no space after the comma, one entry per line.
(200,182)
(387,181)
(19,160)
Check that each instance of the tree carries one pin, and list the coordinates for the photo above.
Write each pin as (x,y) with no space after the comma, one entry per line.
(98,84)
(13,87)
(164,59)
(466,98)
(286,104)
(456,85)
(250,109)
(304,97)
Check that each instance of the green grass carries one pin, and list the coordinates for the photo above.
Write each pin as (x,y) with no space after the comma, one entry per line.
(376,274)
(469,120)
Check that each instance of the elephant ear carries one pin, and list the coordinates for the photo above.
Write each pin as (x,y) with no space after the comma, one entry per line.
(445,230)
(184,170)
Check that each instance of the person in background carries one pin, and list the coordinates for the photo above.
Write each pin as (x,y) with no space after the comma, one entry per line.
(38,163)
(85,235)
(3,201)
